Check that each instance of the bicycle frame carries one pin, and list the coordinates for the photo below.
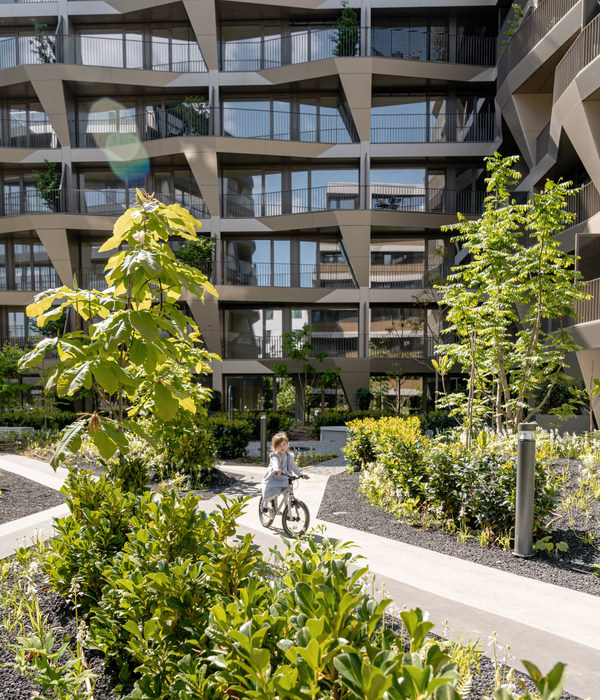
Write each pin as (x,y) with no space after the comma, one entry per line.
(285,498)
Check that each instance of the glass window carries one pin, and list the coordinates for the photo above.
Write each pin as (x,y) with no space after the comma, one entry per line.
(3,280)
(247,119)
(17,324)
(241,47)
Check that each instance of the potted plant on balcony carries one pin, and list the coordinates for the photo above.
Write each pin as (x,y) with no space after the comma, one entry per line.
(194,113)
(44,45)
(197,253)
(47,184)
(346,33)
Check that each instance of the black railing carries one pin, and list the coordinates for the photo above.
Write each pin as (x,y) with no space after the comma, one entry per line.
(103,202)
(297,47)
(399,345)
(434,128)
(407,198)
(438,46)
(158,54)
(406,276)
(26,343)
(38,133)
(319,275)
(271,347)
(153,124)
(584,204)
(28,279)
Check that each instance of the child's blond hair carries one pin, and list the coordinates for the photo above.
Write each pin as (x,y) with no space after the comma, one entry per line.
(278,439)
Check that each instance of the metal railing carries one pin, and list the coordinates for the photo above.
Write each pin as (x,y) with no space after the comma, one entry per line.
(297,47)
(319,275)
(151,125)
(531,31)
(104,51)
(438,128)
(581,52)
(103,202)
(438,46)
(409,346)
(29,279)
(38,133)
(27,343)
(271,347)
(585,203)
(406,276)
(408,198)
(588,310)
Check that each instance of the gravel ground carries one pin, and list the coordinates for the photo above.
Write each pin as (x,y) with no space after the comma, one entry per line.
(343,504)
(20,497)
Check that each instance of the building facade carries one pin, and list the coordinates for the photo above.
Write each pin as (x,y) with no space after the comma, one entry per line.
(322,160)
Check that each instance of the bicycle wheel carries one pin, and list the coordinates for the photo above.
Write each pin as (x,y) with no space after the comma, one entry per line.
(295,519)
(266,519)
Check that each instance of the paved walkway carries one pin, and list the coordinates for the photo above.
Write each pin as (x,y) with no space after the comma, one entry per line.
(541,622)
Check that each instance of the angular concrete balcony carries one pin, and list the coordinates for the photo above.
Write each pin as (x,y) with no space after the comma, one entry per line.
(439,128)
(271,347)
(34,133)
(317,276)
(336,196)
(406,276)
(585,204)
(581,53)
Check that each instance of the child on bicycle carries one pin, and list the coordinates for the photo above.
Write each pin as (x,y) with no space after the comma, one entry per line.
(281,465)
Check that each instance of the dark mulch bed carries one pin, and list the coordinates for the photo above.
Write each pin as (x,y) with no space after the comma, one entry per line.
(21,497)
(345,505)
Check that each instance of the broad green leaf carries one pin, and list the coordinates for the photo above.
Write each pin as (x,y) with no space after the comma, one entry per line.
(70,441)
(164,403)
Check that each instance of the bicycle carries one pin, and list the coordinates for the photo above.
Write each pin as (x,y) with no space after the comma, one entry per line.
(295,517)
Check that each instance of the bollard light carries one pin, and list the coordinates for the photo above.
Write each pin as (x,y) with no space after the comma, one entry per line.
(263,438)
(525,496)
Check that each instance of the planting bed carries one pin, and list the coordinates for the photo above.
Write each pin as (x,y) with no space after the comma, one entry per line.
(345,505)
(21,497)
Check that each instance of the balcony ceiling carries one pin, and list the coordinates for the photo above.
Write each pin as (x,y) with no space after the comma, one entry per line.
(260,11)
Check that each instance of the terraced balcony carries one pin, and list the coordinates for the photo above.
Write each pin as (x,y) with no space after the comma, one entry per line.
(317,276)
(35,133)
(99,202)
(335,196)
(156,124)
(406,276)
(530,32)
(28,279)
(585,204)
(262,53)
(581,53)
(120,51)
(589,310)
(439,128)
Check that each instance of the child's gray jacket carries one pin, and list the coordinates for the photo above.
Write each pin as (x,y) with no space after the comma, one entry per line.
(273,483)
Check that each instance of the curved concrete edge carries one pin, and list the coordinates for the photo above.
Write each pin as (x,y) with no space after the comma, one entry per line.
(25,531)
(34,470)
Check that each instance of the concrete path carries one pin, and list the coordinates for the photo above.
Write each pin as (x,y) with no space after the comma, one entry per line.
(541,622)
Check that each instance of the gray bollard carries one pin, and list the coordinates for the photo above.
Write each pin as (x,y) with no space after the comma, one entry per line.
(263,438)
(525,491)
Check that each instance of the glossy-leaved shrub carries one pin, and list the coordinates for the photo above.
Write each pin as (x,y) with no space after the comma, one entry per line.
(231,436)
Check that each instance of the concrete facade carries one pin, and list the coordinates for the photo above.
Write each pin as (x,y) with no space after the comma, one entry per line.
(322,162)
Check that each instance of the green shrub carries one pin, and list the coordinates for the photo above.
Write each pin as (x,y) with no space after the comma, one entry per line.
(438,421)
(276,422)
(231,436)
(38,418)
(89,538)
(188,448)
(339,416)
(441,481)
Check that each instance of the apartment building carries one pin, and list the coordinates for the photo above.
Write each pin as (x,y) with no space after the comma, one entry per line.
(322,161)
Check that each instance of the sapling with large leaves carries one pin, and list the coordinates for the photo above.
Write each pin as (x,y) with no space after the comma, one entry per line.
(138,351)
(499,304)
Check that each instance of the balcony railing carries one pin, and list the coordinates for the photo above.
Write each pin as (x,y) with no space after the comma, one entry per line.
(38,133)
(438,128)
(531,31)
(317,276)
(409,346)
(271,347)
(581,52)
(407,198)
(26,343)
(585,203)
(152,125)
(406,276)
(388,42)
(28,279)
(441,47)
(588,310)
(297,47)
(157,54)
(103,202)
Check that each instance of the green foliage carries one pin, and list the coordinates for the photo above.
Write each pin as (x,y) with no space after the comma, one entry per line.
(194,112)
(347,32)
(363,399)
(38,418)
(438,421)
(231,436)
(339,416)
(545,544)
(508,358)
(216,401)
(188,447)
(140,352)
(10,388)
(442,481)
(47,183)
(513,24)
(196,253)
(276,422)
(562,397)
(90,537)
(44,45)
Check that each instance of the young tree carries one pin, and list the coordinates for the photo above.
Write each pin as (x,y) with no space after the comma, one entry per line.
(301,362)
(499,303)
(139,349)
(10,387)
